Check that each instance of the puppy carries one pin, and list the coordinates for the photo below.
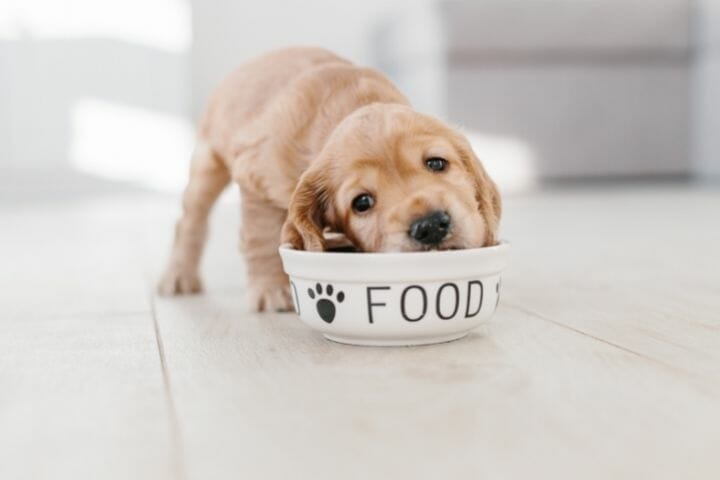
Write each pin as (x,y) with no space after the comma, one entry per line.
(318,145)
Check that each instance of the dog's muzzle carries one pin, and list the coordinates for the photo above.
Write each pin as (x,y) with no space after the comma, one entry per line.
(430,229)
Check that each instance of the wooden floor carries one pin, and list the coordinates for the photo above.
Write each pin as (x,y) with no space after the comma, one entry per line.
(603,361)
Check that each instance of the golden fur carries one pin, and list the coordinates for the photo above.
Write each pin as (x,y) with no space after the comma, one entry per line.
(303,132)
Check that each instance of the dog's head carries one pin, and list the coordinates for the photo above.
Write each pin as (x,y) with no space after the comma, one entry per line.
(391,179)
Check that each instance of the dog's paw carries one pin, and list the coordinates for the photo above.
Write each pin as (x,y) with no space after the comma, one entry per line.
(179,281)
(270,298)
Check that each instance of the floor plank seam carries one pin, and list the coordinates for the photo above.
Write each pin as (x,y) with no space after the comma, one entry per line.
(180,472)
(598,339)
(699,383)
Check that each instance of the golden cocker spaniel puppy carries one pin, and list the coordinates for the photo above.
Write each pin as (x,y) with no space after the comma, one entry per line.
(318,145)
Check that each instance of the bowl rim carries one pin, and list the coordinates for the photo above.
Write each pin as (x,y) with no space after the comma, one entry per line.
(501,245)
(395,266)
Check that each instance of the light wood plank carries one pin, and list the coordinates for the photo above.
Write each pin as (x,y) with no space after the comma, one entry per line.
(83,397)
(261,396)
(638,267)
(81,387)
(76,256)
(595,367)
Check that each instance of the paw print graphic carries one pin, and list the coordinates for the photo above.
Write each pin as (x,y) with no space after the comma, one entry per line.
(325,306)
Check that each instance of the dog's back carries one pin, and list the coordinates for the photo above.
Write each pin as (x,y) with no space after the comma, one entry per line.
(263,126)
(248,91)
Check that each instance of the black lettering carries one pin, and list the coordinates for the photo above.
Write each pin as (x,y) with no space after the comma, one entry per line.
(439,296)
(370,303)
(402,303)
(469,296)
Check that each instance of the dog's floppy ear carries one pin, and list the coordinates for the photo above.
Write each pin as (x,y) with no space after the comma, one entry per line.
(486,193)
(303,228)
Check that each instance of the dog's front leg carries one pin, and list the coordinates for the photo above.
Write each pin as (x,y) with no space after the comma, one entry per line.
(208,178)
(268,287)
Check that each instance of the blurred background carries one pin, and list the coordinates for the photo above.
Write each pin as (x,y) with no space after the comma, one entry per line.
(106,93)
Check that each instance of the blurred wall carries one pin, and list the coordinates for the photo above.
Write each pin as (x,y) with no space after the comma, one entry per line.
(96,87)
(706,93)
(227,33)
(590,88)
(112,89)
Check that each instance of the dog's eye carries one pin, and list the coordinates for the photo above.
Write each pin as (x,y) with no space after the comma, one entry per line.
(436,164)
(363,203)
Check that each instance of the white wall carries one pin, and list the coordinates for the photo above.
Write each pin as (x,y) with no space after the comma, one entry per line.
(706,99)
(228,33)
(99,87)
(112,88)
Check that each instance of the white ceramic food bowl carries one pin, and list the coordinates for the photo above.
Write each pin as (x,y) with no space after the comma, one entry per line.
(387,299)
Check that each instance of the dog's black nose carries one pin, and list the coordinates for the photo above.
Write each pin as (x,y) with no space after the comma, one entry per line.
(430,229)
